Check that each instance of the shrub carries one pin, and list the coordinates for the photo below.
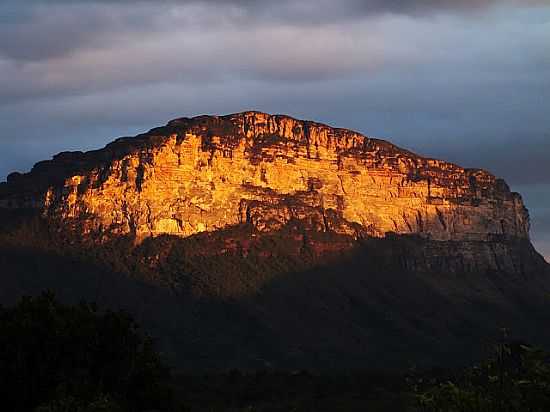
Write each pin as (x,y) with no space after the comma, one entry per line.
(53,354)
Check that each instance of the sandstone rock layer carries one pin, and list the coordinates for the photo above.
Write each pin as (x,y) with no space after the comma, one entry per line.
(207,173)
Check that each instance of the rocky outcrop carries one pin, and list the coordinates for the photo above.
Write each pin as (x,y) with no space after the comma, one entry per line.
(210,172)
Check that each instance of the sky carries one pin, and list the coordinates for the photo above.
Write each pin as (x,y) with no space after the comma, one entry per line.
(466,81)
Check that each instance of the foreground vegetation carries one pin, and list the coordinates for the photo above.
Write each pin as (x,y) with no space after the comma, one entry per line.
(516,379)
(78,358)
(56,357)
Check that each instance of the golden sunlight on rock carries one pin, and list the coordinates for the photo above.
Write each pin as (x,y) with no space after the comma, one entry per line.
(207,173)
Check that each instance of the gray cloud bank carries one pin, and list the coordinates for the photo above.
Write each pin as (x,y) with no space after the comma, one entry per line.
(37,29)
(467,81)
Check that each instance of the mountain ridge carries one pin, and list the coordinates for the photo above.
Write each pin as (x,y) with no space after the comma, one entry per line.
(128,139)
(252,240)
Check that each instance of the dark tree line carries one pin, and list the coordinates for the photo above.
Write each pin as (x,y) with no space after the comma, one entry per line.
(56,357)
(516,379)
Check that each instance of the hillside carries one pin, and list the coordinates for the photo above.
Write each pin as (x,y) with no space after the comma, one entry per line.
(254,240)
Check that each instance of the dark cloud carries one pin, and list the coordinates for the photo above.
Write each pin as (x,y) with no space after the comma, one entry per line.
(37,30)
(173,46)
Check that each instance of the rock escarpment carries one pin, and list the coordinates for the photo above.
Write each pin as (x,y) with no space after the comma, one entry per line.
(207,173)
(292,244)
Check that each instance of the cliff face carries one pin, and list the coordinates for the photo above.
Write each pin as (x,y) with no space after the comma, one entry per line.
(209,172)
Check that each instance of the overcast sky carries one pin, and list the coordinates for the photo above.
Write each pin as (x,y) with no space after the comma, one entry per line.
(462,80)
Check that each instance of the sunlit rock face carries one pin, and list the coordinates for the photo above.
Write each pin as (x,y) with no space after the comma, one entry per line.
(210,172)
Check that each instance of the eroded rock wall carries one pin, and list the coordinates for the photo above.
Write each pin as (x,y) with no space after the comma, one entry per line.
(209,172)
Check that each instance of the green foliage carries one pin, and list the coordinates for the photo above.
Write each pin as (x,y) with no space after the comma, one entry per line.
(76,358)
(516,379)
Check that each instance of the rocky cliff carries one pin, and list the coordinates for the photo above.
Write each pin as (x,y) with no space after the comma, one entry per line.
(207,173)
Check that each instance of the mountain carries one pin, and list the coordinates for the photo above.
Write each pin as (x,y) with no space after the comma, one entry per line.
(253,239)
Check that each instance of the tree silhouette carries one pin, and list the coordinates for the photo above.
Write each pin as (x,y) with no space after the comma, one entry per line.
(517,378)
(54,354)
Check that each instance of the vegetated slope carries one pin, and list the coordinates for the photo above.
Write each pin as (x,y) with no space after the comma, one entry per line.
(381,303)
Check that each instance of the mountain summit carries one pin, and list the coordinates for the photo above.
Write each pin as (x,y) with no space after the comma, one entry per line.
(253,237)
